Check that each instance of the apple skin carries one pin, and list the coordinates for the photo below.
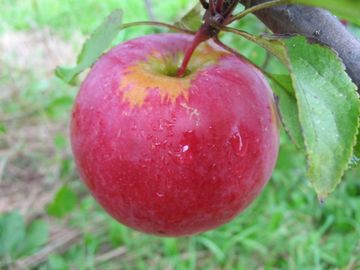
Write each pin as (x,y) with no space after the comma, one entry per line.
(174,156)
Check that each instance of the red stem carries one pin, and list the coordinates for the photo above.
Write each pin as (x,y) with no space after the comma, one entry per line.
(219,5)
(230,9)
(200,36)
(212,7)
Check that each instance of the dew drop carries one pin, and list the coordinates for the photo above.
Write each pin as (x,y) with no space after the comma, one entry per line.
(183,156)
(185,148)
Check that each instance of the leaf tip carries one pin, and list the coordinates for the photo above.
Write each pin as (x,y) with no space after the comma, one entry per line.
(67,75)
(322,198)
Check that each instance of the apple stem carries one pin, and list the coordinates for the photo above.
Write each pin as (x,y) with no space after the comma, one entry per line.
(200,36)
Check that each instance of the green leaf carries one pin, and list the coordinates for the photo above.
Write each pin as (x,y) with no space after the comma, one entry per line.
(3,128)
(57,262)
(345,9)
(329,111)
(36,236)
(287,107)
(213,248)
(60,141)
(66,167)
(64,202)
(12,232)
(192,20)
(98,42)
(58,106)
(171,246)
(357,147)
(355,161)
(272,45)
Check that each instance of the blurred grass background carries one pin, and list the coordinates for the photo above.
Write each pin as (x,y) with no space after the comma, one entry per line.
(49,221)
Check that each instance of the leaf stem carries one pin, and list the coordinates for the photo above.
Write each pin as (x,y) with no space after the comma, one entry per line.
(242,33)
(256,8)
(274,45)
(233,51)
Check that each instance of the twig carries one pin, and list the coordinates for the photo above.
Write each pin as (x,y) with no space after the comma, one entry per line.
(112,254)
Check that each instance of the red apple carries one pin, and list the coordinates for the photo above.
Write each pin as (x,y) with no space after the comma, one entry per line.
(174,156)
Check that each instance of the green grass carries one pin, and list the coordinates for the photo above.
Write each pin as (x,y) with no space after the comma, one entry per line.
(285,228)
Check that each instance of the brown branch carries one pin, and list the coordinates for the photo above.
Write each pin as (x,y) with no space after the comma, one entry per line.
(316,23)
(110,255)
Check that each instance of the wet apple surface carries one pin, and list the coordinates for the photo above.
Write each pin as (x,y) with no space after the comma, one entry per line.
(174,156)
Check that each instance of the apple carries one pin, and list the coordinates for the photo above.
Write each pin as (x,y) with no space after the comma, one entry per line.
(174,156)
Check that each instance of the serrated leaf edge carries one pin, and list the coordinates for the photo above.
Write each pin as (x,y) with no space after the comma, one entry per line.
(341,174)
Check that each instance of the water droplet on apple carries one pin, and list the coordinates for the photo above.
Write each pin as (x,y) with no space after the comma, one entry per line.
(185,148)
(186,155)
(183,156)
